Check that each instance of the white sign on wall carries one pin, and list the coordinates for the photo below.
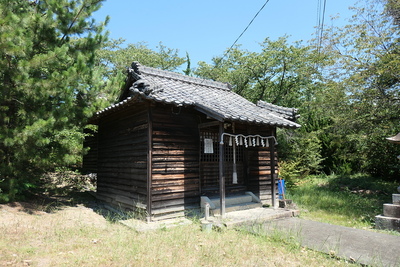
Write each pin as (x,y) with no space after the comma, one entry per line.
(208,146)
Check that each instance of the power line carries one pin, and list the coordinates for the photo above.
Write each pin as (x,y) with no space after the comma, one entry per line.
(237,39)
(318,22)
(321,22)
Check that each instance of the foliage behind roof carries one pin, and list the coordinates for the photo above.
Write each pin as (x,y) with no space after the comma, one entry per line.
(215,99)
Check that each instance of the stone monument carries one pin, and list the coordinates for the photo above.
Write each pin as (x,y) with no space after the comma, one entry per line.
(390,220)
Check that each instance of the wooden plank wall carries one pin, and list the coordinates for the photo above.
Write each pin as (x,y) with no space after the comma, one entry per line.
(209,164)
(123,145)
(259,168)
(122,160)
(175,162)
(210,180)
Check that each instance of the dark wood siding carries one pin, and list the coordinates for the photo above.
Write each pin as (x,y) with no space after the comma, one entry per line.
(150,157)
(259,167)
(209,164)
(122,157)
(209,172)
(175,161)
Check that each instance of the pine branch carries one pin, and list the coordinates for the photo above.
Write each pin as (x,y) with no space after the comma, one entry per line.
(72,23)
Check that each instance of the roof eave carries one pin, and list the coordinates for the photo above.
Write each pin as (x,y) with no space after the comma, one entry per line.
(209,113)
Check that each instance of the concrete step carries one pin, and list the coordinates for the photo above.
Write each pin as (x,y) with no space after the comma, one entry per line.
(232,203)
(387,223)
(237,207)
(232,200)
(391,210)
(396,199)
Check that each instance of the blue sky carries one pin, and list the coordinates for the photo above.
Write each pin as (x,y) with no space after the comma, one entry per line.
(207,28)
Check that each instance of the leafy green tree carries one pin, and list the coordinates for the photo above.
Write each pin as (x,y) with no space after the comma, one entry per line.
(283,74)
(367,66)
(393,10)
(115,57)
(287,75)
(347,91)
(49,86)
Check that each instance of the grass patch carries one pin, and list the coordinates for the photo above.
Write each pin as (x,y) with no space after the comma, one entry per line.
(77,236)
(352,201)
(68,228)
(73,231)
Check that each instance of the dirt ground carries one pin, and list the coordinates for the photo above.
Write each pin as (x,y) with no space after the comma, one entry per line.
(20,214)
(59,233)
(33,223)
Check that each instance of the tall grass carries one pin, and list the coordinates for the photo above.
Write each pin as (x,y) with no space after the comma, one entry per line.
(350,201)
(75,235)
(52,240)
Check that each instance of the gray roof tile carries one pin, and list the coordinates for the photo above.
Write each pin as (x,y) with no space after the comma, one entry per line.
(287,113)
(215,99)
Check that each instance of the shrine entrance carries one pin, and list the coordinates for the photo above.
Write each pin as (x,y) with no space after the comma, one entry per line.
(233,161)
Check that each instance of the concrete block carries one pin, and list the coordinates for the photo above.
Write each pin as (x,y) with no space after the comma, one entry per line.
(396,199)
(238,207)
(204,200)
(206,226)
(232,200)
(285,203)
(387,223)
(254,198)
(391,210)
(238,200)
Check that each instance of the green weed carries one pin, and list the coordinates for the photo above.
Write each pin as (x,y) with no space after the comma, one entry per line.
(79,236)
(344,200)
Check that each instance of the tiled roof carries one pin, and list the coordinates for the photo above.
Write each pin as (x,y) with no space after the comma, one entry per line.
(287,113)
(212,98)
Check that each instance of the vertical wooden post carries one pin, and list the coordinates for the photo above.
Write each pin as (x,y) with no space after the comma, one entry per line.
(221,171)
(149,161)
(273,189)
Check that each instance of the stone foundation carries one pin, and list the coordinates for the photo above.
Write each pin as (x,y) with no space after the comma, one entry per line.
(390,220)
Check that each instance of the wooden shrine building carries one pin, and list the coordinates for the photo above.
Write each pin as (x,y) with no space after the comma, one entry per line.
(172,138)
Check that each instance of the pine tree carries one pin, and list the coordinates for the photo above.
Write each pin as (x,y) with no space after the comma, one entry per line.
(49,86)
